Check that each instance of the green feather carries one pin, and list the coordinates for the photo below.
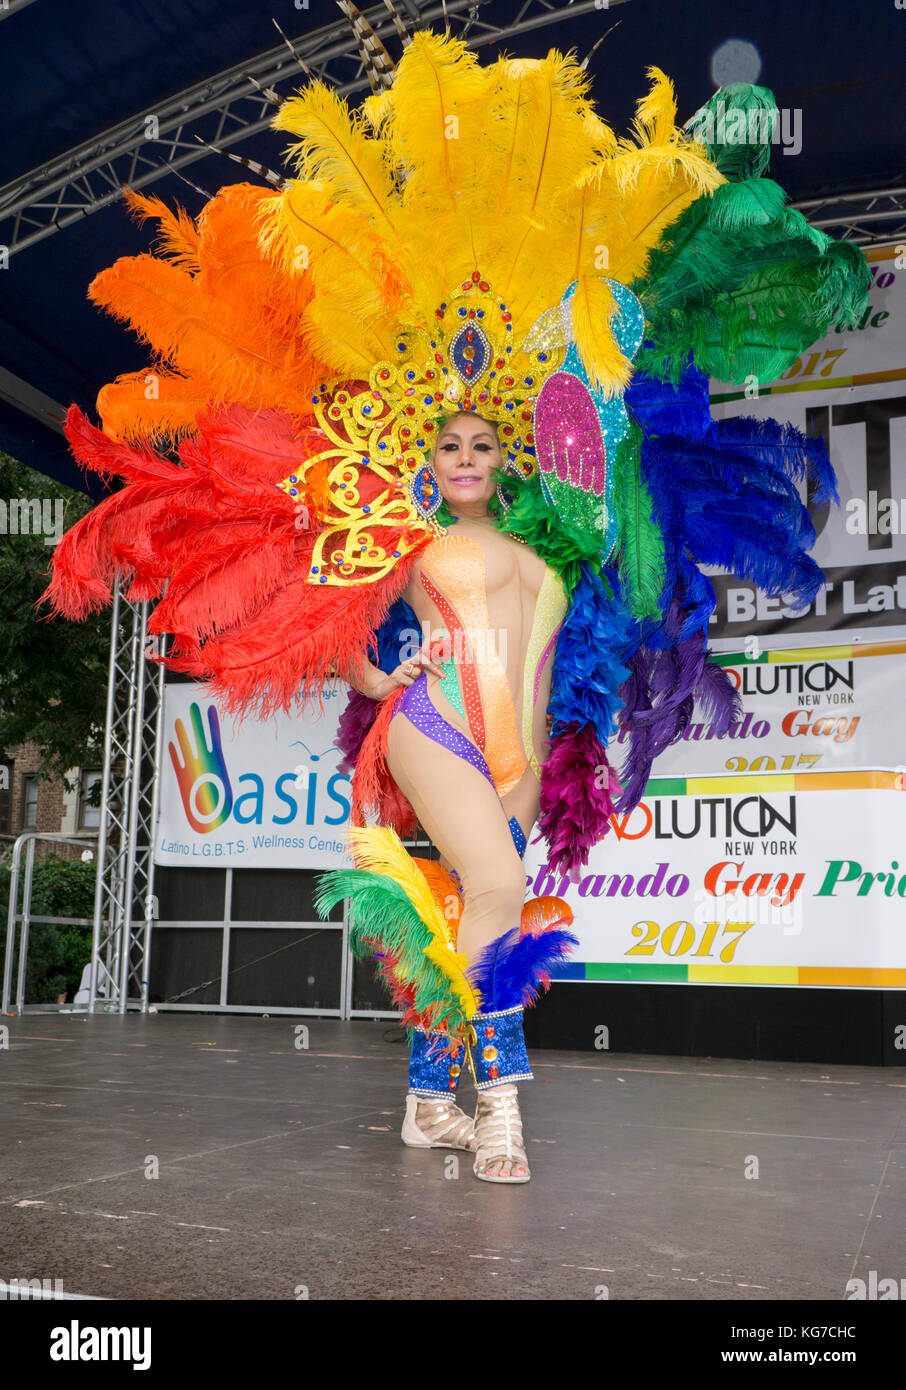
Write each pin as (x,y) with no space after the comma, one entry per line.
(744,283)
(383,917)
(738,108)
(640,560)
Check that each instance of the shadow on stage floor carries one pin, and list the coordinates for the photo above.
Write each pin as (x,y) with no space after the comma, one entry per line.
(280,1170)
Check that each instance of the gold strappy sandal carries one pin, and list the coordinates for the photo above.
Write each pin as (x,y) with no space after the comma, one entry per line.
(436,1122)
(498,1130)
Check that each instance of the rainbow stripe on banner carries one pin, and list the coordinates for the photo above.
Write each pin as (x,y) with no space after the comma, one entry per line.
(815,976)
(816,384)
(842,653)
(734,975)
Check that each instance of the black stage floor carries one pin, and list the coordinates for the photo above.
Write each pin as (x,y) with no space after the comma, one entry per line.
(281,1168)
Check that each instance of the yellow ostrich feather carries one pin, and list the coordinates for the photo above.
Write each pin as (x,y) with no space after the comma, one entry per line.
(335,148)
(649,180)
(434,135)
(381,850)
(349,268)
(593,305)
(437,120)
(523,212)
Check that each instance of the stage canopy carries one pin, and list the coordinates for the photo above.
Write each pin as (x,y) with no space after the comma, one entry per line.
(98,95)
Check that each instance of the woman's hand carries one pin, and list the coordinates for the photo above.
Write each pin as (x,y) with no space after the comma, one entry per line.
(407,672)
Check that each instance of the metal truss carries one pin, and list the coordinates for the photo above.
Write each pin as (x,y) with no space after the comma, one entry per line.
(867,219)
(227,108)
(124,903)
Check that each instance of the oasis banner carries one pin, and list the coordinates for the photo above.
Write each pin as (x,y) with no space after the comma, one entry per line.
(250,794)
(849,388)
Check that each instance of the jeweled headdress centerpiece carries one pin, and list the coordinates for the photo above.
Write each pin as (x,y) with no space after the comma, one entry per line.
(379,432)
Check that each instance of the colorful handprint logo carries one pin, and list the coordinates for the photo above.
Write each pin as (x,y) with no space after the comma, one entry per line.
(201,774)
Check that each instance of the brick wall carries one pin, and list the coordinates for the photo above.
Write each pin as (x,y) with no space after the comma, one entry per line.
(24,759)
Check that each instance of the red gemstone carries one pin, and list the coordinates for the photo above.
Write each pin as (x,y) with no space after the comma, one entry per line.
(489,1031)
(506,317)
(493,1072)
(476,276)
(483,285)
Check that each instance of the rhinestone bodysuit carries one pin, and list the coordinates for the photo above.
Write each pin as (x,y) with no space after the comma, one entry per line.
(501,746)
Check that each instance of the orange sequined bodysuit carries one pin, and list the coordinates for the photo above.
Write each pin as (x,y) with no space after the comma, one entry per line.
(467,749)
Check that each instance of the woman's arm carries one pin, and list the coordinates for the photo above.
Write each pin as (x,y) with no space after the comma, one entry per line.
(369,680)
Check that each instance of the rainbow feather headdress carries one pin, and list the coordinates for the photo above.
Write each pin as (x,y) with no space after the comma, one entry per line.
(453,232)
(473,237)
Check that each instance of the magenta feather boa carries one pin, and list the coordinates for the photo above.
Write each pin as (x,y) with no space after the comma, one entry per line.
(577,787)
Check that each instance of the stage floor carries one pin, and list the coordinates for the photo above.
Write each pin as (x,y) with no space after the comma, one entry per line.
(281,1168)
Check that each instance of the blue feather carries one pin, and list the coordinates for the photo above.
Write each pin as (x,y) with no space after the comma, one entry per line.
(388,639)
(589,666)
(659,408)
(507,972)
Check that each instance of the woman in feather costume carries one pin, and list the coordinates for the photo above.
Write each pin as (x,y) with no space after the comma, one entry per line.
(441,412)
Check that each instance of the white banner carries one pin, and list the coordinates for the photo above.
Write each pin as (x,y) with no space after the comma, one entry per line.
(849,388)
(753,880)
(251,794)
(818,710)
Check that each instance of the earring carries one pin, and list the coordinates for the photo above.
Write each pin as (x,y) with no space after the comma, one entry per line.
(424,492)
(505,501)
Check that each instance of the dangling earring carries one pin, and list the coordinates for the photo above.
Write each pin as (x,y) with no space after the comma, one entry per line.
(424,491)
(505,502)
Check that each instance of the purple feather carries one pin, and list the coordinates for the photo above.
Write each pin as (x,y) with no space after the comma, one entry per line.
(660,697)
(355,722)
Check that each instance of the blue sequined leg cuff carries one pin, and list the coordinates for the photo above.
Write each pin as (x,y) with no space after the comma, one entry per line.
(431,1074)
(498,1054)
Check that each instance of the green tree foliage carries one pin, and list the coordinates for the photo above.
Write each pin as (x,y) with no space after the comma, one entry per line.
(53,673)
(57,954)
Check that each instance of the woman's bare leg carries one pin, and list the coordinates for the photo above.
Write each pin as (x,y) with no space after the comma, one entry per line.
(463,816)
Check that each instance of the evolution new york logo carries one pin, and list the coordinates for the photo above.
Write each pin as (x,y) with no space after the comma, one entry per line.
(303,806)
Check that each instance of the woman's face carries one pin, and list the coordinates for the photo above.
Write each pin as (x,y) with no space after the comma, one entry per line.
(467,449)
